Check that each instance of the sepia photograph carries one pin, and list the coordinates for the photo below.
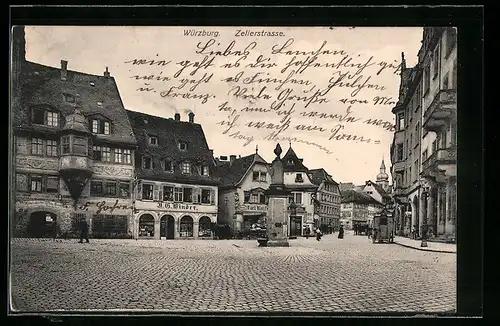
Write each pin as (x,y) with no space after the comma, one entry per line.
(233,169)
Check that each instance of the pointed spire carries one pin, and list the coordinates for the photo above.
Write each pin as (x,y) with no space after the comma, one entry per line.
(256,149)
(382,166)
(403,62)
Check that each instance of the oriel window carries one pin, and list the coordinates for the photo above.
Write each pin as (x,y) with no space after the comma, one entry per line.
(106,154)
(118,155)
(127,157)
(37,146)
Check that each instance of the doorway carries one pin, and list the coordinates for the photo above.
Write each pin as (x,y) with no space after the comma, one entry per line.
(295,226)
(167,227)
(42,225)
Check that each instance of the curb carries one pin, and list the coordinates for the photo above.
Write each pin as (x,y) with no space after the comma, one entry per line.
(428,250)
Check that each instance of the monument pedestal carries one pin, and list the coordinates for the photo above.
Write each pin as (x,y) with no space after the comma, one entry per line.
(277,216)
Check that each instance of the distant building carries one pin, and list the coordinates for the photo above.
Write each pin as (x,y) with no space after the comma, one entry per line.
(327,200)
(242,199)
(383,178)
(175,194)
(381,197)
(298,181)
(73,150)
(357,207)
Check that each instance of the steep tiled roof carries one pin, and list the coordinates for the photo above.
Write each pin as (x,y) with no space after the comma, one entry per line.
(42,85)
(344,186)
(319,175)
(352,196)
(231,174)
(169,132)
(292,163)
(379,189)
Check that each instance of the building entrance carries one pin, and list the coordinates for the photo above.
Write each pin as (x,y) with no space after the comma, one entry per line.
(42,225)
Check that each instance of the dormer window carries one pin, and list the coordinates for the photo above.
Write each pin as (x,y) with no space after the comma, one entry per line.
(100,126)
(92,84)
(45,117)
(147,162)
(205,170)
(186,168)
(69,98)
(168,166)
(153,140)
(290,161)
(183,146)
(298,177)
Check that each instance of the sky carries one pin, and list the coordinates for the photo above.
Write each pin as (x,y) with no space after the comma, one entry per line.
(190,69)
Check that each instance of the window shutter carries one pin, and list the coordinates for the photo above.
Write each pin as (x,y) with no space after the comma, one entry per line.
(139,191)
(196,195)
(160,194)
(212,197)
(156,192)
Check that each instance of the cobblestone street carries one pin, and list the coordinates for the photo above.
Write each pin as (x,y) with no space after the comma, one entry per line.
(351,275)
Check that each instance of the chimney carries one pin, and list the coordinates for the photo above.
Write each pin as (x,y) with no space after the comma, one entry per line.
(191,117)
(232,158)
(106,73)
(177,117)
(64,69)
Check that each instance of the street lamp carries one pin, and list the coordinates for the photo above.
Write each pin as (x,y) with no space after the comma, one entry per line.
(293,212)
(424,184)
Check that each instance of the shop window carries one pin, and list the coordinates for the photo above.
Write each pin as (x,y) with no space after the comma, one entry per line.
(146,226)
(52,184)
(51,148)
(168,193)
(96,187)
(127,156)
(118,155)
(204,227)
(186,227)
(37,146)
(188,195)
(36,183)
(147,191)
(206,196)
(178,194)
(124,189)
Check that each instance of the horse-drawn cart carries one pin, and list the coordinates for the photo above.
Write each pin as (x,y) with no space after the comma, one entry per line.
(383,227)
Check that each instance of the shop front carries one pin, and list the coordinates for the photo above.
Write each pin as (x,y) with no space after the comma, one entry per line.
(249,217)
(169,220)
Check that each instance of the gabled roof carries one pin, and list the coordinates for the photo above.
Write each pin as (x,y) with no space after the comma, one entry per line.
(317,176)
(352,196)
(169,133)
(42,86)
(344,186)
(379,189)
(292,163)
(232,174)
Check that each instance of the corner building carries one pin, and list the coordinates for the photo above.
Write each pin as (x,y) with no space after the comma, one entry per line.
(73,149)
(174,193)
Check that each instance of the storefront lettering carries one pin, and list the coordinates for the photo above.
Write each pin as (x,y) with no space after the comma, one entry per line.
(177,206)
(103,207)
(259,208)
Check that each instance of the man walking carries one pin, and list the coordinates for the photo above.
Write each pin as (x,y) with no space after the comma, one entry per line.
(84,230)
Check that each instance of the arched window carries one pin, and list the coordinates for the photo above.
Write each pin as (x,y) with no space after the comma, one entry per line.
(186,227)
(146,226)
(204,228)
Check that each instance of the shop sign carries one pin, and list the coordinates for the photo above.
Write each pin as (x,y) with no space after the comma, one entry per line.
(104,207)
(252,208)
(177,206)
(40,203)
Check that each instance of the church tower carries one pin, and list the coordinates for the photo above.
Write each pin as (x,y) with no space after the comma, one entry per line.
(382,177)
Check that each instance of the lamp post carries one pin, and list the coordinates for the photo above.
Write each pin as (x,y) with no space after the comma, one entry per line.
(424,184)
(135,183)
(292,208)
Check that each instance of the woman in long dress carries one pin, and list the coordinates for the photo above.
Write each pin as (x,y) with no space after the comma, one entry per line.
(341,232)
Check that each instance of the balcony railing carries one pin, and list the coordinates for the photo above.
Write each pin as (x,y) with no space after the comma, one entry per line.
(441,156)
(443,106)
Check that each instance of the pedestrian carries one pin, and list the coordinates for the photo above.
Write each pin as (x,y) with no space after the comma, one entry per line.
(307,232)
(341,232)
(84,230)
(414,232)
(318,234)
(369,231)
